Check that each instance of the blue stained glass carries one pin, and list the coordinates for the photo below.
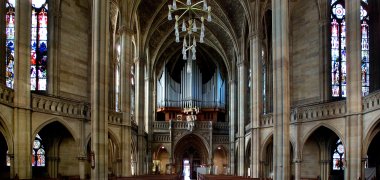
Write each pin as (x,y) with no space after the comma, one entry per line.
(33,72)
(42,46)
(344,92)
(38,152)
(9,46)
(39,45)
(364,17)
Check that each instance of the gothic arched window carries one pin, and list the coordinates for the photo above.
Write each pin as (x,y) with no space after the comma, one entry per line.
(338,156)
(117,79)
(10,46)
(338,48)
(364,20)
(38,152)
(39,45)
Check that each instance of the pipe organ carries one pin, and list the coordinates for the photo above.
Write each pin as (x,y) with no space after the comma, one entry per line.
(173,97)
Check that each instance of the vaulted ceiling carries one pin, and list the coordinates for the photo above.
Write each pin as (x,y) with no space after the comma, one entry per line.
(222,37)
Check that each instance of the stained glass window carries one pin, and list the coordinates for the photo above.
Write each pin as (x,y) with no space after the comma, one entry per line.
(338,48)
(117,79)
(10,46)
(364,18)
(338,156)
(8,159)
(38,152)
(39,45)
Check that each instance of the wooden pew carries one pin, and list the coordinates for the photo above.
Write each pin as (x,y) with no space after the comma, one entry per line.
(150,177)
(226,177)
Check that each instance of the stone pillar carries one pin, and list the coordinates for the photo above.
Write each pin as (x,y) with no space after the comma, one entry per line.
(126,61)
(52,161)
(232,119)
(281,94)
(22,96)
(99,88)
(139,114)
(324,51)
(297,150)
(149,113)
(256,100)
(353,128)
(54,26)
(82,166)
(171,157)
(211,152)
(242,107)
(82,146)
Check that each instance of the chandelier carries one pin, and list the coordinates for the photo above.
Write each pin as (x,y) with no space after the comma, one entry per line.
(187,14)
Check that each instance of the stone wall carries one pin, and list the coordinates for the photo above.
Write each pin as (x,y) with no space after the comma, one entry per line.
(74,59)
(304,54)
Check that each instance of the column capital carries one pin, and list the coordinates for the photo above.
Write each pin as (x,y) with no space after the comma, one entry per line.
(138,60)
(297,160)
(231,81)
(124,29)
(255,35)
(241,63)
(82,158)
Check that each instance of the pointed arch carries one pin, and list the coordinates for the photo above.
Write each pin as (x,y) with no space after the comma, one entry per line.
(370,133)
(316,127)
(60,121)
(267,141)
(204,141)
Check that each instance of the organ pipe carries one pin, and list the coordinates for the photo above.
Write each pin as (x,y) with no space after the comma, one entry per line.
(190,91)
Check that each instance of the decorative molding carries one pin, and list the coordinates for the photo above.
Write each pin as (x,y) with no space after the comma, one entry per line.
(115,117)
(161,138)
(220,139)
(6,95)
(60,106)
(266,120)
(125,29)
(371,102)
(319,111)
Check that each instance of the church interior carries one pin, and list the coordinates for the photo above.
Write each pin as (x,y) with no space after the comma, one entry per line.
(108,89)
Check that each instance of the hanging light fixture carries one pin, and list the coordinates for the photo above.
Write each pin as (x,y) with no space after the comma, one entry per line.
(187,13)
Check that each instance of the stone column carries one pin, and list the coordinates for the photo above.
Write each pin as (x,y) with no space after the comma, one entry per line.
(82,166)
(82,145)
(54,26)
(22,96)
(353,128)
(256,89)
(281,94)
(126,61)
(256,100)
(242,106)
(232,119)
(296,127)
(99,88)
(139,114)
(149,113)
(324,51)
(211,152)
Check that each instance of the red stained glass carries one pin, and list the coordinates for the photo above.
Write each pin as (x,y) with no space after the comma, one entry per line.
(39,45)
